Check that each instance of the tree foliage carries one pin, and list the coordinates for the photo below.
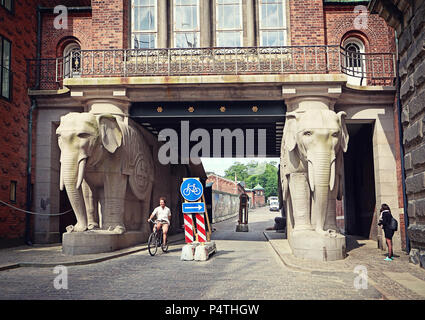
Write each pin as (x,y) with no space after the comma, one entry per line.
(253,173)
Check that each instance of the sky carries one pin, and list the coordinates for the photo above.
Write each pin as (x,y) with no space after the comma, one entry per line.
(219,165)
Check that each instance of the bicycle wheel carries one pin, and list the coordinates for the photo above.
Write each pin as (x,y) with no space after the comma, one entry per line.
(152,244)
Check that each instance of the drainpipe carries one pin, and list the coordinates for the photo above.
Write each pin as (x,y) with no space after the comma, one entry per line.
(400,135)
(29,174)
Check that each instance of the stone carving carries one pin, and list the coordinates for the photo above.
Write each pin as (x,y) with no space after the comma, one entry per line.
(100,156)
(311,160)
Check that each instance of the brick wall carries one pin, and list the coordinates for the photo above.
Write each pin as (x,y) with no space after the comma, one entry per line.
(20,29)
(340,23)
(108,24)
(223,184)
(306,22)
(54,40)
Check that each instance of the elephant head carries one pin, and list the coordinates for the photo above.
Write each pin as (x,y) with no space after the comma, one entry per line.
(316,139)
(81,137)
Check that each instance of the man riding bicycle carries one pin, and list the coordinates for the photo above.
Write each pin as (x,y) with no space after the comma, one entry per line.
(163,217)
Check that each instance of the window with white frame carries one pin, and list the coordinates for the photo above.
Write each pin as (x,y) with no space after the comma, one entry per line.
(5,73)
(143,24)
(229,23)
(272,26)
(186,23)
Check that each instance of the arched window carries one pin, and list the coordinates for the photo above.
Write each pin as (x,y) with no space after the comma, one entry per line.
(71,63)
(354,49)
(354,60)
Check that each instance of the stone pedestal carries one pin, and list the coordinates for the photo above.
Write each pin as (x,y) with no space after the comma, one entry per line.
(203,251)
(308,244)
(242,228)
(99,241)
(188,251)
(198,251)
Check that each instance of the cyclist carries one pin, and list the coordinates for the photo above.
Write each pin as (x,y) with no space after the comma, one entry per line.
(163,217)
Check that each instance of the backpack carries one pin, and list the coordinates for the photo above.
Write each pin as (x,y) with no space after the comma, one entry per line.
(393,224)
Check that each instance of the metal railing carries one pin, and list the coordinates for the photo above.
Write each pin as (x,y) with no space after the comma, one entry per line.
(49,73)
(371,68)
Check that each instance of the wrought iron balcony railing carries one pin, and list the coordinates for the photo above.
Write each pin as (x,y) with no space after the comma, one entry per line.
(49,73)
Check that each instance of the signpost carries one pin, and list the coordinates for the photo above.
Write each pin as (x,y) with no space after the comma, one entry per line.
(193,207)
(192,191)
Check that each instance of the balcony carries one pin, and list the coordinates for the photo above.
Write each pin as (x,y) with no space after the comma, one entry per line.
(369,68)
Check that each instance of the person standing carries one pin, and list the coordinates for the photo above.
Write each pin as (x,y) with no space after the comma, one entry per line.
(163,217)
(385,221)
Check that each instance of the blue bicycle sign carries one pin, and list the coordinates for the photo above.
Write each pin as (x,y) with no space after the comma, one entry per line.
(191,189)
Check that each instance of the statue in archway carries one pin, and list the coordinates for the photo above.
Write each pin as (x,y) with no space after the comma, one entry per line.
(311,176)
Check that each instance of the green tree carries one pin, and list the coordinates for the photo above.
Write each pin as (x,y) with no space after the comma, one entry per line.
(255,173)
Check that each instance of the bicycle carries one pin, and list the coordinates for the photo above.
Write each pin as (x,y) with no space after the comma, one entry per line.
(191,189)
(155,241)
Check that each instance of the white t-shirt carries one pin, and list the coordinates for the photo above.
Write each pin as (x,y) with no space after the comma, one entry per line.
(162,214)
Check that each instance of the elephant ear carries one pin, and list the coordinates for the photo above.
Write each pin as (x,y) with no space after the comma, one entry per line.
(290,131)
(110,133)
(344,135)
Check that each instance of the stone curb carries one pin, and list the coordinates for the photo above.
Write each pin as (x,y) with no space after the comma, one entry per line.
(83,262)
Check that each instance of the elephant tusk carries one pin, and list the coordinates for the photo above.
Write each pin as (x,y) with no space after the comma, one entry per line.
(332,176)
(61,179)
(80,177)
(311,176)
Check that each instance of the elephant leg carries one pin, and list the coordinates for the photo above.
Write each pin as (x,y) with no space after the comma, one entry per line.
(115,188)
(300,198)
(330,219)
(91,202)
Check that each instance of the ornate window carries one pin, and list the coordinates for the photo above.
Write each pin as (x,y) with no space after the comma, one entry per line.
(186,23)
(272,24)
(143,24)
(229,23)
(5,73)
(71,63)
(353,57)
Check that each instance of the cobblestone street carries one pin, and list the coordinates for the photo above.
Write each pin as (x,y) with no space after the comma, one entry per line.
(246,266)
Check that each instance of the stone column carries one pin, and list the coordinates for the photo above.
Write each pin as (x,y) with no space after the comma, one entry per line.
(249,17)
(162,24)
(385,167)
(46,187)
(205,23)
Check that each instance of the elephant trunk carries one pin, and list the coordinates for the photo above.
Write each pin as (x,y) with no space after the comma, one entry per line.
(320,179)
(72,177)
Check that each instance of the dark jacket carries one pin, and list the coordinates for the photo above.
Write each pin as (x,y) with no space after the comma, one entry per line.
(385,219)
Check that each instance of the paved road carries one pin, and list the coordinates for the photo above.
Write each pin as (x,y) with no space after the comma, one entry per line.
(245,267)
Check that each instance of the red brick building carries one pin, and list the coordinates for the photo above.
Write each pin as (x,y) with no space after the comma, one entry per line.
(225,185)
(84,62)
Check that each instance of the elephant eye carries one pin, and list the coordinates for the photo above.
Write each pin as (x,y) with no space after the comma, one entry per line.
(83,135)
(308,133)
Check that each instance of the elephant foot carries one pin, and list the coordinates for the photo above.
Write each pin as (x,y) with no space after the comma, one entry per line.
(117,229)
(77,228)
(92,226)
(331,233)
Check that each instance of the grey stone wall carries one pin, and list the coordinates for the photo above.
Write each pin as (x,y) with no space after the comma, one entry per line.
(412,92)
(224,205)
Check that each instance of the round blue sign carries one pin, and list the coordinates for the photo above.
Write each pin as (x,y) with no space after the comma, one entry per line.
(191,189)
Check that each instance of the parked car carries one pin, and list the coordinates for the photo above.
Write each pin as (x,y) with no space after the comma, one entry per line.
(274,205)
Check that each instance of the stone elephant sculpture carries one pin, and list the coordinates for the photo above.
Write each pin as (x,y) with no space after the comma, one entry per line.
(311,163)
(100,156)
